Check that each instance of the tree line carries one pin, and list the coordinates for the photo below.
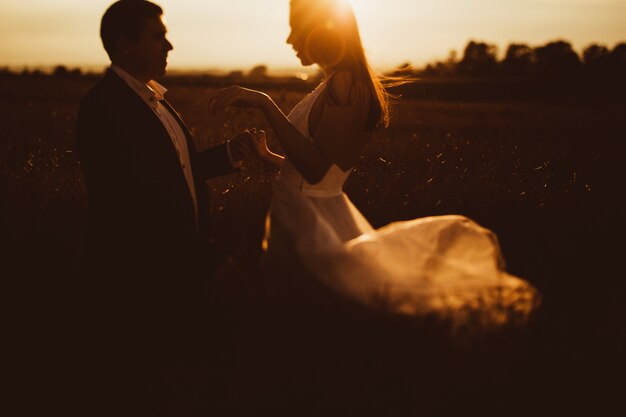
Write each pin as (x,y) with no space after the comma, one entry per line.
(554,59)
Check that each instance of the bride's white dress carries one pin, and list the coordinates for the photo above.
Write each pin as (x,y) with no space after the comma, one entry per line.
(444,265)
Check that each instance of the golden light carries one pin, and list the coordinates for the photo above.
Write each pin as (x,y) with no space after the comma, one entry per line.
(362,7)
(302,76)
(370,15)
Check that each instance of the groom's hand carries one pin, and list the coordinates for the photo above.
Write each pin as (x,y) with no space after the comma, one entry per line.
(240,148)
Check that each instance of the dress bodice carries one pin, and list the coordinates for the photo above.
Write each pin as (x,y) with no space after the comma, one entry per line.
(332,183)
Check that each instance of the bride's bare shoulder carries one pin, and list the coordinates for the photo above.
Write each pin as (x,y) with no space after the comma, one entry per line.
(345,89)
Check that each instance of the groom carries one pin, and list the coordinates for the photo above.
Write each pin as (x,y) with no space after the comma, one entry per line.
(148,252)
(148,203)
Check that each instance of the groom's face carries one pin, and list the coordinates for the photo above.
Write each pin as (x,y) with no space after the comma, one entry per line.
(149,52)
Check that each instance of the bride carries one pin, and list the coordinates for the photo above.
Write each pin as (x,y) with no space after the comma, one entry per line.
(448,266)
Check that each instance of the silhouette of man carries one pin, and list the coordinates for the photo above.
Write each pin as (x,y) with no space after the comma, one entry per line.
(148,253)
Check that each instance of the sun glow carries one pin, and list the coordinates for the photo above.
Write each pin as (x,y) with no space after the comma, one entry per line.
(213,34)
(362,7)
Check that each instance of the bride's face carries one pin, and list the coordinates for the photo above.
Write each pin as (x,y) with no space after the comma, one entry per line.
(297,37)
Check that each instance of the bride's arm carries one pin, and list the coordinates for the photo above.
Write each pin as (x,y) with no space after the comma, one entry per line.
(275,159)
(337,122)
(305,155)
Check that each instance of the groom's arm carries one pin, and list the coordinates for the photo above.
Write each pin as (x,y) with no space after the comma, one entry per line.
(225,158)
(214,162)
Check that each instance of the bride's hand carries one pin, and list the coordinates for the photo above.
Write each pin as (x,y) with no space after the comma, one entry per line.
(237,97)
(259,145)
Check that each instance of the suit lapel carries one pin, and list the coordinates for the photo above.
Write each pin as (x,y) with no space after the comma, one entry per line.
(155,130)
(140,108)
(156,121)
(190,145)
(148,126)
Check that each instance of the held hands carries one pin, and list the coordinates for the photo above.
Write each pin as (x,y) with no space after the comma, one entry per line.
(259,143)
(236,96)
(253,140)
(261,149)
(250,140)
(240,148)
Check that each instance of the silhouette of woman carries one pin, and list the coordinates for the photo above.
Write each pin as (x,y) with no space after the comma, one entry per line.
(447,265)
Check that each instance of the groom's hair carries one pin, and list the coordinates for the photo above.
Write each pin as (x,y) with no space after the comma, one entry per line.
(126,19)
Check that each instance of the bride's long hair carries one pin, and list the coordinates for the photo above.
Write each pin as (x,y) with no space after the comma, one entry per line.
(334,42)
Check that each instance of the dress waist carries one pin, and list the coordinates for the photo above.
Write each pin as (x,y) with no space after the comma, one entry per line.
(330,186)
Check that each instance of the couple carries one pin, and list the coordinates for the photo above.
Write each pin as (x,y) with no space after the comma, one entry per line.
(149,252)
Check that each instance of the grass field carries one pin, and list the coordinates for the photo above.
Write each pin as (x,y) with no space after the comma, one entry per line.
(545,175)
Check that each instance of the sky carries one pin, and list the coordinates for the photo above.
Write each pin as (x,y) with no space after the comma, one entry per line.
(225,35)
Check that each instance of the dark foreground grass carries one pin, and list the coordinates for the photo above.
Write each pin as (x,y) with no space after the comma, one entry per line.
(546,176)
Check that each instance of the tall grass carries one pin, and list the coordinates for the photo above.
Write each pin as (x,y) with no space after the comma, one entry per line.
(546,176)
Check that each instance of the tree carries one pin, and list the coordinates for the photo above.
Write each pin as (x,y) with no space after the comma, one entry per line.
(60,71)
(235,75)
(258,73)
(479,59)
(596,59)
(557,59)
(617,60)
(518,60)
(5,72)
(76,72)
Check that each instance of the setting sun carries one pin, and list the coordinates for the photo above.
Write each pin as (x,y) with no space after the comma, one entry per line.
(211,34)
(363,7)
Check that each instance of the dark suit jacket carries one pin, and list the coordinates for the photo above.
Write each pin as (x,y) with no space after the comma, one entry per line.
(142,240)
(145,262)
